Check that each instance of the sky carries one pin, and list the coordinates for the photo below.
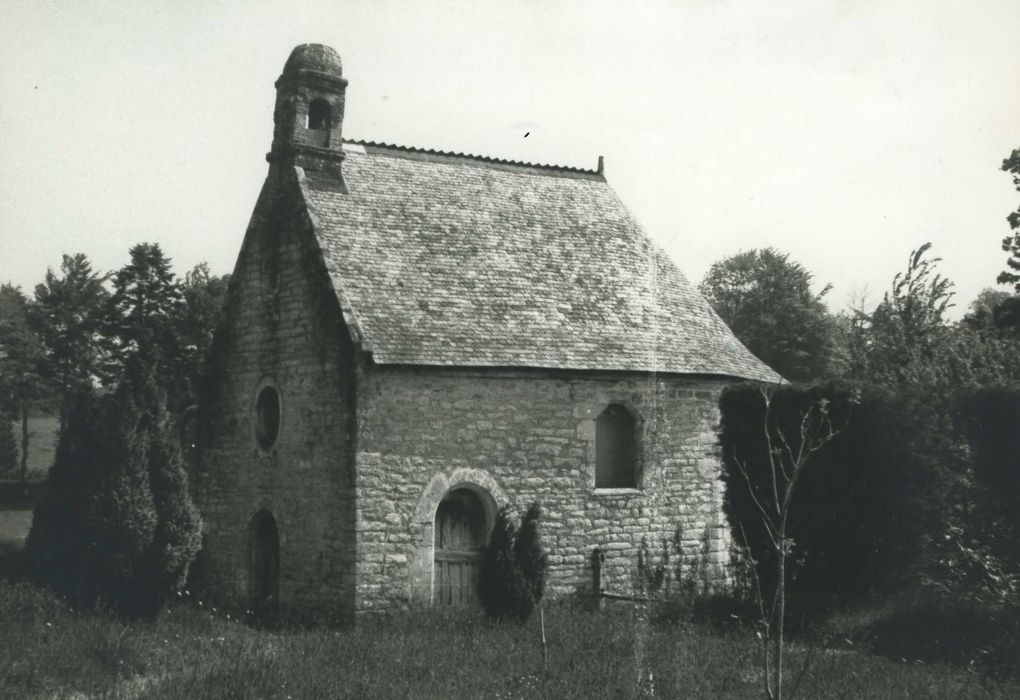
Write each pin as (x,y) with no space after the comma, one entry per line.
(845,133)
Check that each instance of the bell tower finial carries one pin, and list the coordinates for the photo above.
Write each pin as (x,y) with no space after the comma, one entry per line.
(309,114)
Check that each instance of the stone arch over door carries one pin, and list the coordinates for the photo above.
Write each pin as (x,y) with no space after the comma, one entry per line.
(481,488)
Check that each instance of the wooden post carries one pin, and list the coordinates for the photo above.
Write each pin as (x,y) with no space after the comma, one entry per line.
(545,653)
(598,559)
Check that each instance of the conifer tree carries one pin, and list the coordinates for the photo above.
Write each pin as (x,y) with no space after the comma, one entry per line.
(56,545)
(68,315)
(144,321)
(120,510)
(117,525)
(178,534)
(529,554)
(502,588)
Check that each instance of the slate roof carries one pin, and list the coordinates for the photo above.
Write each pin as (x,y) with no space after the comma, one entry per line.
(453,260)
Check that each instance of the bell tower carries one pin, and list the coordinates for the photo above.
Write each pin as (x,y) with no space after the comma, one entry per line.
(309,114)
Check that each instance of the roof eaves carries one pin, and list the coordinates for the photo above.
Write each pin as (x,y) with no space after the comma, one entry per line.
(350,317)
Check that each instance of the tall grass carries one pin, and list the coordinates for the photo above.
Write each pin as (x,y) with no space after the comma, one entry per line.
(195,652)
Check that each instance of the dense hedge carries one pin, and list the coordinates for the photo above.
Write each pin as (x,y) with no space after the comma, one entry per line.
(900,492)
(989,417)
(855,519)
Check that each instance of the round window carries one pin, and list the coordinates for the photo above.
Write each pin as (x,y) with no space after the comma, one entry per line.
(267,417)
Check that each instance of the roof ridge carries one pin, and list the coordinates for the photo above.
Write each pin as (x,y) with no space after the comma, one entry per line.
(552,167)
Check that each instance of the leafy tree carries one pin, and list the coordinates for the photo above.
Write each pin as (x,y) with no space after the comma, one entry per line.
(1006,316)
(912,349)
(1011,243)
(910,346)
(21,360)
(68,315)
(503,590)
(980,314)
(766,300)
(529,554)
(994,312)
(906,330)
(203,294)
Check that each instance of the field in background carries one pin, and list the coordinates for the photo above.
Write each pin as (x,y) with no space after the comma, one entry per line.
(42,446)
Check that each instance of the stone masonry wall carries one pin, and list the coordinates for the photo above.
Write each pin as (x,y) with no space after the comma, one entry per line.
(283,327)
(530,435)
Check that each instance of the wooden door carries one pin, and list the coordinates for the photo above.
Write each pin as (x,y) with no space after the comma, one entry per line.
(460,538)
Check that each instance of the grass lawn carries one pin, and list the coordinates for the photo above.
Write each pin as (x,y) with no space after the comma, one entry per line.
(193,651)
(51,652)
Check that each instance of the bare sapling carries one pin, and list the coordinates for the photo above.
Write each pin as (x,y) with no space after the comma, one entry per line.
(788,455)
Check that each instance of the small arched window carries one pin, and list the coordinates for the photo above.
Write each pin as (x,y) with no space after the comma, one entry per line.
(267,417)
(319,114)
(264,583)
(615,448)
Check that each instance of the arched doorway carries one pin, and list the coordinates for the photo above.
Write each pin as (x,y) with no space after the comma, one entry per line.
(460,534)
(265,565)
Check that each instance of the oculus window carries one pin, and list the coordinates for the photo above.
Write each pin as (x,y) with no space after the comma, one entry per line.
(267,417)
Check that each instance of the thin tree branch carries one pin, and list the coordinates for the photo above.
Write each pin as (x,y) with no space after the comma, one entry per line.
(766,518)
(768,443)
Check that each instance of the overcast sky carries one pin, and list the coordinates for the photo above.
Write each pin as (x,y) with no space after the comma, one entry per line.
(845,133)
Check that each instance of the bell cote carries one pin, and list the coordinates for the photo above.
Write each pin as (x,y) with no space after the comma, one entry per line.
(309,114)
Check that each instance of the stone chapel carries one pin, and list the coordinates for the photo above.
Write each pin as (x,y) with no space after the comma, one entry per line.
(413,339)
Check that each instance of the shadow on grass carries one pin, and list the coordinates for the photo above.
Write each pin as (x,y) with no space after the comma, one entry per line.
(957,634)
(11,561)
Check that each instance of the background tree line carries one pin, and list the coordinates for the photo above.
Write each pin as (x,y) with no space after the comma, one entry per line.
(117,357)
(79,330)
(917,494)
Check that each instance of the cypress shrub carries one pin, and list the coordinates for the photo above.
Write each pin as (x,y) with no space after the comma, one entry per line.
(57,541)
(119,482)
(503,590)
(529,554)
